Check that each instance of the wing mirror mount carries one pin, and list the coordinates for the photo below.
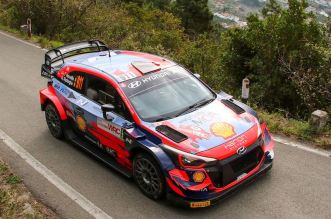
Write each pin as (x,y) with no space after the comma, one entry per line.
(106,109)
(225,95)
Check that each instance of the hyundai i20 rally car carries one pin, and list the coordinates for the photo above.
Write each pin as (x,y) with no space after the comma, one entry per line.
(153,120)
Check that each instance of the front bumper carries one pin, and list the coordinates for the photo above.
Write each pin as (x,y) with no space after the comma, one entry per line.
(265,167)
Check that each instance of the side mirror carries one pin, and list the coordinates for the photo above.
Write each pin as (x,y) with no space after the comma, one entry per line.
(105,109)
(197,75)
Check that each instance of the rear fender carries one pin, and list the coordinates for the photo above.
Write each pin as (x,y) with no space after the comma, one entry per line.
(48,95)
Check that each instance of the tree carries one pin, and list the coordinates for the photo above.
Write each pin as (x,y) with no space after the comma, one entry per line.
(161,4)
(287,56)
(195,14)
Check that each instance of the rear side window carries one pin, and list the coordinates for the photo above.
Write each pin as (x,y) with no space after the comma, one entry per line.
(100,91)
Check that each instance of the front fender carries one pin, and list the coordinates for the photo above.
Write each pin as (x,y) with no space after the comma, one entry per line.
(137,140)
(48,95)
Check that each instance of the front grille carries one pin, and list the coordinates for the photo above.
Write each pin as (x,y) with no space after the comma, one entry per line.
(230,169)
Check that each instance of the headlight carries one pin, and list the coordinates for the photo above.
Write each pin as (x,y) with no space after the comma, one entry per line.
(184,159)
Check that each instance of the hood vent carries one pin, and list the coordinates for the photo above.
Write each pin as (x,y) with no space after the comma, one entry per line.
(237,109)
(171,133)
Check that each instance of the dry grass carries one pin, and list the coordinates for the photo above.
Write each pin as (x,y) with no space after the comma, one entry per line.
(16,201)
(277,123)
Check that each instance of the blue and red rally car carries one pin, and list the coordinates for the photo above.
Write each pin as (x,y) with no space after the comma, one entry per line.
(153,120)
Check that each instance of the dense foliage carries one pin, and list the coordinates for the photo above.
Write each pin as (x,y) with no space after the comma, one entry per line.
(286,53)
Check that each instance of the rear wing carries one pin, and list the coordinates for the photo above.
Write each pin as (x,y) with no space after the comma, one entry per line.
(61,53)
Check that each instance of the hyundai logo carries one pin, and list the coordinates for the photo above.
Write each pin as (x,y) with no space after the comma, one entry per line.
(134,84)
(241,150)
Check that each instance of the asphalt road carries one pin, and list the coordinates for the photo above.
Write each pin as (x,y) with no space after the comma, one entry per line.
(299,185)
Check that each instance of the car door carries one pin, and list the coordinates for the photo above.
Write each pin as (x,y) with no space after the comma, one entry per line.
(106,133)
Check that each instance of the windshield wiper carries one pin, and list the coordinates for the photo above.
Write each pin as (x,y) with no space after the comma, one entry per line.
(195,106)
(163,118)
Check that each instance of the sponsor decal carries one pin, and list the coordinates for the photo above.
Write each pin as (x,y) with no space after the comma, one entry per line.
(199,118)
(236,143)
(156,76)
(110,127)
(204,190)
(200,204)
(81,123)
(194,132)
(134,84)
(128,140)
(150,78)
(241,150)
(78,82)
(241,176)
(110,151)
(68,79)
(61,88)
(81,102)
(71,95)
(222,129)
(123,76)
(45,74)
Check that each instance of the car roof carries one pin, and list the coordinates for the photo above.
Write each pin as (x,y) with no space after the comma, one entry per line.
(123,65)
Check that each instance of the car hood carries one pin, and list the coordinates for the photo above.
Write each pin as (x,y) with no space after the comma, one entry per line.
(211,126)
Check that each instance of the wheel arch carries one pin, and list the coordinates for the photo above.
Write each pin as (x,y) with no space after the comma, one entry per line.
(154,151)
(48,96)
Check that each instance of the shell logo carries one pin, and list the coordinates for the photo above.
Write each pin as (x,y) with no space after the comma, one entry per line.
(222,129)
(81,124)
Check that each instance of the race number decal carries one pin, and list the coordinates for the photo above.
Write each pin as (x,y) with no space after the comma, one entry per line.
(78,82)
(109,127)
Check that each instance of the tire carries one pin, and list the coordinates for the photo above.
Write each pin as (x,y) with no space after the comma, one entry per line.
(148,176)
(53,121)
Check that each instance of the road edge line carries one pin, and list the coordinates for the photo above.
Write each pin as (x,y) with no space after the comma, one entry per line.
(301,146)
(74,195)
(20,40)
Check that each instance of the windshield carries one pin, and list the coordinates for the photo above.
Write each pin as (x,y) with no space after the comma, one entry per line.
(166,94)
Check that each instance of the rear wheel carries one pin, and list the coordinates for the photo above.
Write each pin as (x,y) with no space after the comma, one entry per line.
(148,176)
(53,120)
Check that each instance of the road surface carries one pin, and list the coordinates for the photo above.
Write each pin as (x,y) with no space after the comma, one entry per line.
(299,185)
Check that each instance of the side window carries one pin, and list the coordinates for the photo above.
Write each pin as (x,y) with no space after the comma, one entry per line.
(102,92)
(75,80)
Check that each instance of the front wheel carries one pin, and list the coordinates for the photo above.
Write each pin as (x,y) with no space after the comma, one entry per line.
(53,120)
(148,176)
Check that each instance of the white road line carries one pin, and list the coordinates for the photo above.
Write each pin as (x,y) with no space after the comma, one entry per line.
(302,146)
(78,198)
(22,41)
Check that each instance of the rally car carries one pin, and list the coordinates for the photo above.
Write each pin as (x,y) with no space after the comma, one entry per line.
(151,119)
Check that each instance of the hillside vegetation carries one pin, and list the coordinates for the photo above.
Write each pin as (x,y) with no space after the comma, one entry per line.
(286,53)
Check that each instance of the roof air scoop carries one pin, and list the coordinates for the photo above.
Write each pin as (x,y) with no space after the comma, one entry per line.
(146,67)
